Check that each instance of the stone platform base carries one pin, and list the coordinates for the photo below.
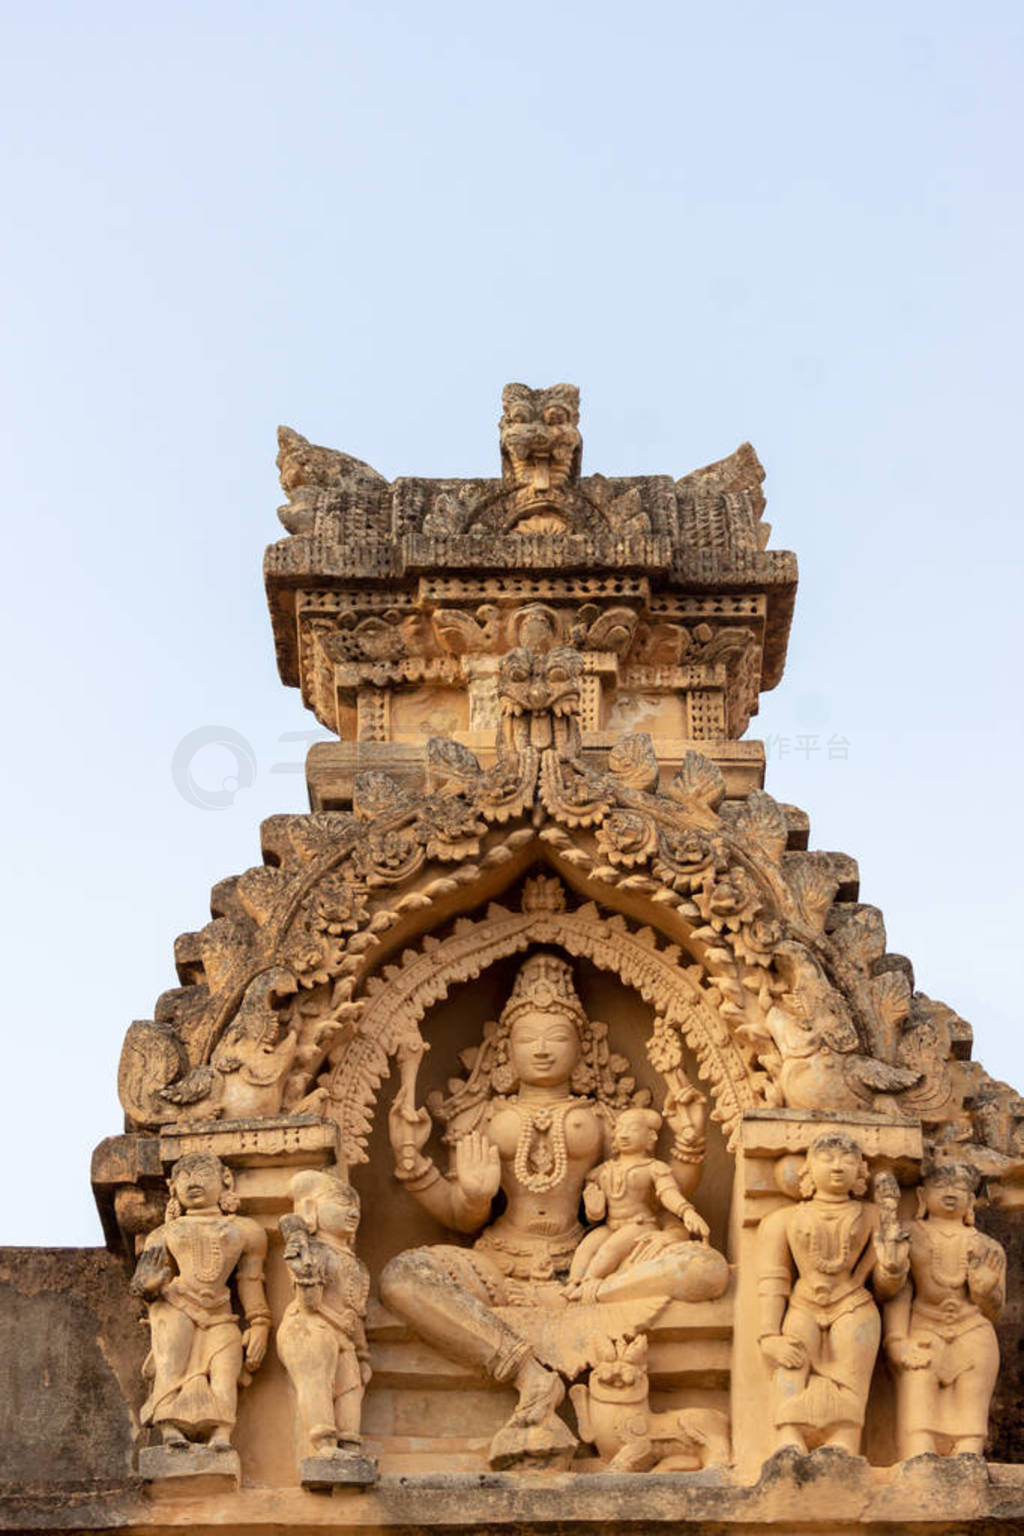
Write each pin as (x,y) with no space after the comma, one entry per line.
(177,1471)
(345,1469)
(824,1494)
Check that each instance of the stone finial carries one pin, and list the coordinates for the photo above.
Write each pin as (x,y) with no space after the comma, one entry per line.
(541,446)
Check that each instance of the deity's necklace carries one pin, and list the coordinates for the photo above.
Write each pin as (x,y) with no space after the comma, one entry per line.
(541,1156)
(952,1279)
(832,1265)
(207,1243)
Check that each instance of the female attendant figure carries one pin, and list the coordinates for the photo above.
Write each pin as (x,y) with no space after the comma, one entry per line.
(939,1336)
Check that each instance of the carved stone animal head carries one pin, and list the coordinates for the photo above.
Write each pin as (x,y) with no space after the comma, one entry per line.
(300,462)
(529,684)
(620,1375)
(541,446)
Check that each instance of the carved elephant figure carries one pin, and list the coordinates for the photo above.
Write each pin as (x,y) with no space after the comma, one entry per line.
(614,1414)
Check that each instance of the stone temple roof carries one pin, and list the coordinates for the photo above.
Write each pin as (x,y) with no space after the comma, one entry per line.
(442,541)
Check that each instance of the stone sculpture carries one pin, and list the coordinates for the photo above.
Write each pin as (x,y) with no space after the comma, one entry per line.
(518,1126)
(250,1062)
(614,1414)
(198,1354)
(539,683)
(321,1338)
(819,1335)
(939,1336)
(541,446)
(627,1195)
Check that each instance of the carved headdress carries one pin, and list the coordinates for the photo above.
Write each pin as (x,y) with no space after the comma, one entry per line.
(544,983)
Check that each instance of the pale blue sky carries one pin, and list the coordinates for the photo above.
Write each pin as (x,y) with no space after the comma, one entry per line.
(798,224)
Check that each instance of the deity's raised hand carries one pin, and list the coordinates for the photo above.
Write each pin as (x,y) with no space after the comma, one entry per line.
(985,1269)
(477,1168)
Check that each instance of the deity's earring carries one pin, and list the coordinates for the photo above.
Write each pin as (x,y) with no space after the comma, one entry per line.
(229,1201)
(503,1077)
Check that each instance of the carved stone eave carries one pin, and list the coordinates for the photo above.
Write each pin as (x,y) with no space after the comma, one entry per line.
(309,563)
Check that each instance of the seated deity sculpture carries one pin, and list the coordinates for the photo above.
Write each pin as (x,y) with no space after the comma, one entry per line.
(198,1353)
(939,1336)
(629,1195)
(535,1117)
(321,1338)
(819,1332)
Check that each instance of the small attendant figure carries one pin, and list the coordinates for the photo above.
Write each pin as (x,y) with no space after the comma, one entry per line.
(198,1353)
(820,1334)
(321,1338)
(939,1336)
(628,1193)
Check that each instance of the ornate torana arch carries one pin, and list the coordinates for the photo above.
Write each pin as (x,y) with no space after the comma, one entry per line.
(797,1001)
(398,1004)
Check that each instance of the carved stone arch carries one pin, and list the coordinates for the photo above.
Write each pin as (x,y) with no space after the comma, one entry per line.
(400,998)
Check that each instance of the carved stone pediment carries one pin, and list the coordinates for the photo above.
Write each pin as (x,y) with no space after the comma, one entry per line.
(543,1063)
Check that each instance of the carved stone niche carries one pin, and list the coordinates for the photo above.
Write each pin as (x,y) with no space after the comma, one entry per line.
(426,1408)
(773,1145)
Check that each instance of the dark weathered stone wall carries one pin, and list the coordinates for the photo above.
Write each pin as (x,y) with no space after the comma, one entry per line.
(1006,1419)
(71,1346)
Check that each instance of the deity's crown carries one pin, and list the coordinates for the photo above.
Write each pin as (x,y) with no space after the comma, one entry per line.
(544,981)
